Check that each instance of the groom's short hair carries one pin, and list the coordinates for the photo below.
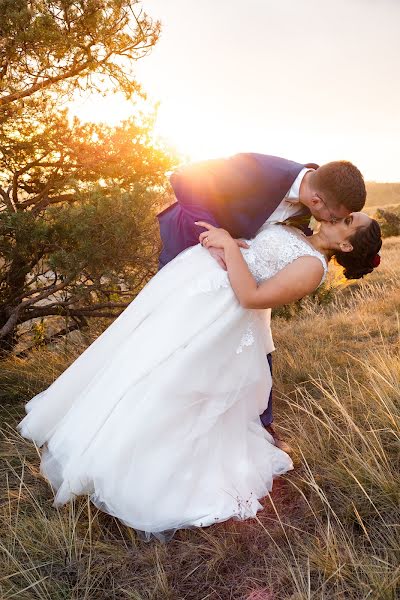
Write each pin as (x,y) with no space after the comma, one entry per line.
(340,182)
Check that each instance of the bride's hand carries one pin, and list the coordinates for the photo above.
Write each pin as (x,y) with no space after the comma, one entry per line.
(214,236)
(219,253)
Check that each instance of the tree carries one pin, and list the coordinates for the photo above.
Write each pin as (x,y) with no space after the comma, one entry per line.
(66,44)
(389,222)
(77,201)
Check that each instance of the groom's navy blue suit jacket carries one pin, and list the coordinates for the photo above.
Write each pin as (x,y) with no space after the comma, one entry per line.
(238,193)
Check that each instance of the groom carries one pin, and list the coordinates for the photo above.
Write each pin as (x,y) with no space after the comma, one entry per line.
(243,192)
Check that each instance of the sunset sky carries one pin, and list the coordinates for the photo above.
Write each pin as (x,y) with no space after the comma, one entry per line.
(310,80)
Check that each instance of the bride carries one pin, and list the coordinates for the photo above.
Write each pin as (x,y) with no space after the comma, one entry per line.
(158,419)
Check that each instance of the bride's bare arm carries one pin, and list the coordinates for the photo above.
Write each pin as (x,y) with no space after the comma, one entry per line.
(292,283)
(296,280)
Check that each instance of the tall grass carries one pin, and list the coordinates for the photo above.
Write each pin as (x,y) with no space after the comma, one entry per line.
(330,529)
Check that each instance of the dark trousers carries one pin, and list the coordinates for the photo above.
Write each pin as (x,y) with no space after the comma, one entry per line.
(266,417)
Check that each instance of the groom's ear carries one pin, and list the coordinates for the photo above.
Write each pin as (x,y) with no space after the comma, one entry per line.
(316,200)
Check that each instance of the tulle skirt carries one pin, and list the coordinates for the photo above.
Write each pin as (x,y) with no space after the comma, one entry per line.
(158,419)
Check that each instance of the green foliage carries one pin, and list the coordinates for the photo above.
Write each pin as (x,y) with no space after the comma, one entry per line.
(389,222)
(104,235)
(46,43)
(39,333)
(322,296)
(78,235)
(79,218)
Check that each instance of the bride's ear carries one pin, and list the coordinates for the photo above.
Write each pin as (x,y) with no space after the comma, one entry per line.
(345,246)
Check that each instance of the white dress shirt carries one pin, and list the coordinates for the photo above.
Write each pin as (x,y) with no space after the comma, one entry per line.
(290,205)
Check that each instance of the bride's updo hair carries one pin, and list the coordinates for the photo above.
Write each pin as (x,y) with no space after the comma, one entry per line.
(366,242)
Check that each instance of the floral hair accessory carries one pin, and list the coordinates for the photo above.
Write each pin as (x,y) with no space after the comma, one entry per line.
(376,261)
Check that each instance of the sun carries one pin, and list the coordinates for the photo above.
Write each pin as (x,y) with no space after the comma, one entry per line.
(199,136)
(195,136)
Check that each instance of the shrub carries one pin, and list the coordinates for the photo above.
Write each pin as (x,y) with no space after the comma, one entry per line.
(388,221)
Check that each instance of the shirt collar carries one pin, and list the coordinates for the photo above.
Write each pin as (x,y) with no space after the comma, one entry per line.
(293,194)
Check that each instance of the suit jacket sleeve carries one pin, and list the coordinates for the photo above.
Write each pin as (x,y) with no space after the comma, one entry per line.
(201,190)
(214,184)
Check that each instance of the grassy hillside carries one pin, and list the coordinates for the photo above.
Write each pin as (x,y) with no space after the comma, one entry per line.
(382,194)
(330,529)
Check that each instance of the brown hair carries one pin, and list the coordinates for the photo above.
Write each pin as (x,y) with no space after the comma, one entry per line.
(366,243)
(341,183)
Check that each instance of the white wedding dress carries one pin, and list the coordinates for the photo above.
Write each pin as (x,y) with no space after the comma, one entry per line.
(158,419)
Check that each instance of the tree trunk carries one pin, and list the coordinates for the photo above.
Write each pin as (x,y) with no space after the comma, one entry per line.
(15,283)
(7,341)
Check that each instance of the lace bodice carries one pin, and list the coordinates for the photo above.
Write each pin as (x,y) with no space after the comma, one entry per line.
(275,247)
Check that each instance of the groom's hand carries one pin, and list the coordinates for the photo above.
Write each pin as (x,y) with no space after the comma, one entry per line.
(219,254)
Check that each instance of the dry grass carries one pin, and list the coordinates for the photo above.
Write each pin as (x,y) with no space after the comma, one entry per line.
(331,529)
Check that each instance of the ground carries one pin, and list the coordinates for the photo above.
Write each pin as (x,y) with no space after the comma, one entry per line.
(330,529)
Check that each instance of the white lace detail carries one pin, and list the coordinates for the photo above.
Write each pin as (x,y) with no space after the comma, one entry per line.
(210,283)
(275,247)
(247,338)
